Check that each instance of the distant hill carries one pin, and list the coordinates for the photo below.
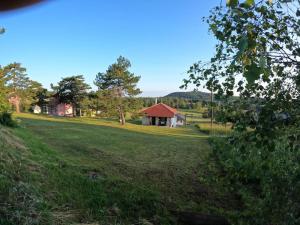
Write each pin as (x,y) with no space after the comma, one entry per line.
(193,95)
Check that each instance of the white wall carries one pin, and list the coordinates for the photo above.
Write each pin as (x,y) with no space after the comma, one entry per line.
(146,120)
(173,121)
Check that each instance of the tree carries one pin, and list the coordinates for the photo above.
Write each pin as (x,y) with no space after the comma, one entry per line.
(17,83)
(32,91)
(118,88)
(21,91)
(72,90)
(257,56)
(90,104)
(3,92)
(41,97)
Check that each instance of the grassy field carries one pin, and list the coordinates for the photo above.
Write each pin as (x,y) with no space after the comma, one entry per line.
(214,129)
(204,124)
(78,171)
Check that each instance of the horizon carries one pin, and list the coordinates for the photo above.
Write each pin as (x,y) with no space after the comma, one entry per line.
(89,36)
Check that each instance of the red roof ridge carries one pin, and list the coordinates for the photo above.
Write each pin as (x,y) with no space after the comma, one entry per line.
(160,109)
(168,107)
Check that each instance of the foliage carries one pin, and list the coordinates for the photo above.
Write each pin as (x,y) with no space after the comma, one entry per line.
(192,95)
(72,90)
(42,97)
(175,102)
(266,179)
(19,86)
(91,104)
(7,120)
(17,83)
(257,56)
(4,105)
(117,89)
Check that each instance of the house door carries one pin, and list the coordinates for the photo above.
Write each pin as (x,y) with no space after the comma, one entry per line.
(153,121)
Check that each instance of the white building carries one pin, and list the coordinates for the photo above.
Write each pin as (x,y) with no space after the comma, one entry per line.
(36,109)
(162,115)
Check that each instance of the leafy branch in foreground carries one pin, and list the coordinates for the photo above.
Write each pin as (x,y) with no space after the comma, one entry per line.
(258,57)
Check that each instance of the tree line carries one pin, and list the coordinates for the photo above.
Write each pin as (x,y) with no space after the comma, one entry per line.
(175,102)
(115,95)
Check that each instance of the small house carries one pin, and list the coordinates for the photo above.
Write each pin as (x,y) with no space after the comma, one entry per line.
(57,108)
(162,115)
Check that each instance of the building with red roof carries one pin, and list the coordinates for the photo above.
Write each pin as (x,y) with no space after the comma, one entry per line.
(162,115)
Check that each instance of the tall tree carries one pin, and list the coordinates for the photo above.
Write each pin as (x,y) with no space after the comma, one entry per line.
(72,90)
(32,92)
(17,82)
(41,97)
(3,92)
(118,87)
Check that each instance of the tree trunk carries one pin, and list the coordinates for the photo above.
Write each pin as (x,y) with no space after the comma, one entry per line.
(122,118)
(17,105)
(74,110)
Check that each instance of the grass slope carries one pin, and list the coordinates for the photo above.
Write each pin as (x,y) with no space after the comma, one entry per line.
(87,170)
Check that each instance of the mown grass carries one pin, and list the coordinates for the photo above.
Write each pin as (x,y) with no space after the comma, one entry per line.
(89,170)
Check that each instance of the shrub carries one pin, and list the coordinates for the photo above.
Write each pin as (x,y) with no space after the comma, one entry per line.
(266,176)
(7,120)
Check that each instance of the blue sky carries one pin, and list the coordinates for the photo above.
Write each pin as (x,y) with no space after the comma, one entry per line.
(59,38)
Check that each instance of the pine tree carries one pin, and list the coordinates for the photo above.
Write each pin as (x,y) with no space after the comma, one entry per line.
(118,88)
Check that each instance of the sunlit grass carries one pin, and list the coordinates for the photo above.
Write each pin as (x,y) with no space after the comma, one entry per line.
(215,128)
(89,166)
(188,131)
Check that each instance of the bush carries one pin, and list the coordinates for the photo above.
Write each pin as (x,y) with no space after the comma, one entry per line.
(266,176)
(7,120)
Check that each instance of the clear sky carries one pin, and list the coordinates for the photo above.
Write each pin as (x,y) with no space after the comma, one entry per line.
(59,38)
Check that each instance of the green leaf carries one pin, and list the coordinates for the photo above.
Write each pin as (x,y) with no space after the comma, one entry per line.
(249,3)
(232,3)
(243,43)
(2,30)
(252,73)
(242,46)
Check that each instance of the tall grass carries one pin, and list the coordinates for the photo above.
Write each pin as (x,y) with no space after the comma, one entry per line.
(214,129)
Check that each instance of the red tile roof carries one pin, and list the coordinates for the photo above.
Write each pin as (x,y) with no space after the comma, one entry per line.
(160,110)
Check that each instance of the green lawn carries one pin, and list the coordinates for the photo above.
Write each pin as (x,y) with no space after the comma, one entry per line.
(92,170)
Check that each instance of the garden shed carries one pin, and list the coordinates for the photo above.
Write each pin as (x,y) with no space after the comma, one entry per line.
(162,115)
